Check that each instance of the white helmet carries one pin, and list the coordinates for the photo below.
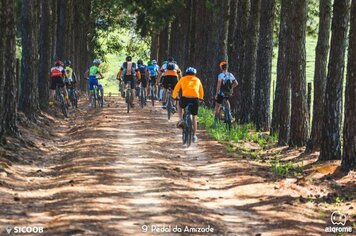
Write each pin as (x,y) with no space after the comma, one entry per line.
(97,62)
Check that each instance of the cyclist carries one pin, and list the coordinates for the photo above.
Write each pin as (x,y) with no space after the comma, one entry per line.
(153,73)
(129,70)
(170,73)
(161,89)
(143,81)
(94,74)
(71,77)
(57,75)
(226,83)
(192,91)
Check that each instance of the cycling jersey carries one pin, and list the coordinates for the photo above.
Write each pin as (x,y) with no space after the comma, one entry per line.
(69,73)
(170,71)
(57,71)
(128,69)
(191,87)
(94,71)
(153,70)
(226,78)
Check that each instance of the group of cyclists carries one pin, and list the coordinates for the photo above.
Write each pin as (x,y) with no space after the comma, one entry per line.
(187,88)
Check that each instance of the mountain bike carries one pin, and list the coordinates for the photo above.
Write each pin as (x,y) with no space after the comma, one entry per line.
(188,130)
(97,96)
(169,103)
(153,93)
(227,113)
(142,96)
(128,96)
(73,96)
(61,101)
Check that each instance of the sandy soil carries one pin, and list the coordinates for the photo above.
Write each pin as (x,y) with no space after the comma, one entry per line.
(106,172)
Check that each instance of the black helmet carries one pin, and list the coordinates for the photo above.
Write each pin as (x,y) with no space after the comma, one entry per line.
(128,58)
(139,62)
(67,62)
(170,59)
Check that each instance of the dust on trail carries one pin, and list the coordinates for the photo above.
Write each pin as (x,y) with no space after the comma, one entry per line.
(112,173)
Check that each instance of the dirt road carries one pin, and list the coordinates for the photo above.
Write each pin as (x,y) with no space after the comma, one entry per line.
(112,173)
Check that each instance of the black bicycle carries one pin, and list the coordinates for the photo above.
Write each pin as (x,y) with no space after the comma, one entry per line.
(153,93)
(142,96)
(128,97)
(227,113)
(188,130)
(61,101)
(97,96)
(170,103)
(73,96)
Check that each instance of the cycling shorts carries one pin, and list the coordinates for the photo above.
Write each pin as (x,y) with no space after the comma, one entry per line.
(144,82)
(94,81)
(169,81)
(184,101)
(153,80)
(131,79)
(56,80)
(221,98)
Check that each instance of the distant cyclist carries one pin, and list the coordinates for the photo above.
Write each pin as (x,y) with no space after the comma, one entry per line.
(71,77)
(224,89)
(94,74)
(58,75)
(129,71)
(192,91)
(153,73)
(169,77)
(143,81)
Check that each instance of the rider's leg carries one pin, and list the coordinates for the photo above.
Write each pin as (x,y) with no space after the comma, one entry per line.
(195,124)
(217,114)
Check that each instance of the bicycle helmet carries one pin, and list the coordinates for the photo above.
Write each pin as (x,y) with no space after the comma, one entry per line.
(191,71)
(97,62)
(58,63)
(139,62)
(154,62)
(223,65)
(170,59)
(128,58)
(67,62)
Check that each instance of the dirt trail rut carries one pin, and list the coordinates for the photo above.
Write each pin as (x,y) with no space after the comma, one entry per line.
(115,173)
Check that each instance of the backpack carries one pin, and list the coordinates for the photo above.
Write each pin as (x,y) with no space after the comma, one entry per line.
(142,69)
(152,70)
(226,87)
(129,68)
(170,66)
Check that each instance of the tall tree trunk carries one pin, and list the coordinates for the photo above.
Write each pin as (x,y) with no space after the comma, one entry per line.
(163,45)
(236,64)
(299,111)
(349,153)
(232,50)
(8,85)
(29,94)
(45,55)
(248,87)
(154,45)
(321,58)
(280,93)
(330,140)
(264,66)
(60,46)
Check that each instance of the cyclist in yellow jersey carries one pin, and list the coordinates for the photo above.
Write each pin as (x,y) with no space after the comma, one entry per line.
(192,91)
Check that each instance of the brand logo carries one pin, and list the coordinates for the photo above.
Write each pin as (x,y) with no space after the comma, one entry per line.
(8,229)
(338,219)
(339,223)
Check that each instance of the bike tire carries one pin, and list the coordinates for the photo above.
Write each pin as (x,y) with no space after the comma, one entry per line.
(64,107)
(128,100)
(227,116)
(153,96)
(142,98)
(101,98)
(169,108)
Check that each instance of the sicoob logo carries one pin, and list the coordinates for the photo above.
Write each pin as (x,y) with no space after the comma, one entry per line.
(338,219)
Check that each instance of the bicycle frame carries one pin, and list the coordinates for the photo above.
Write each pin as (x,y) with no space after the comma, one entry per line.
(61,100)
(188,130)
(169,103)
(128,97)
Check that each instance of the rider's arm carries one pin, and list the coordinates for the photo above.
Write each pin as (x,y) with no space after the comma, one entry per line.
(138,74)
(176,89)
(201,91)
(235,84)
(119,74)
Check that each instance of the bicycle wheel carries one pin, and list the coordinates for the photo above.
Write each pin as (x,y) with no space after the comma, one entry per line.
(100,98)
(169,106)
(153,95)
(227,116)
(189,130)
(142,98)
(64,107)
(128,99)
